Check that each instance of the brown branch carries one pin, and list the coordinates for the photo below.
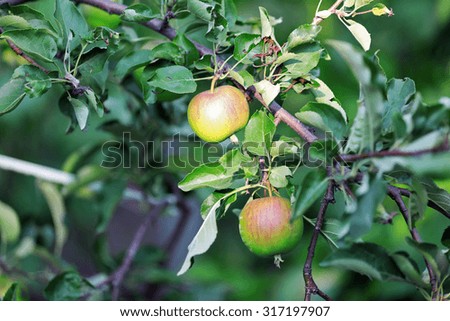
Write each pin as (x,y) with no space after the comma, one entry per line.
(310,285)
(396,195)
(393,153)
(430,204)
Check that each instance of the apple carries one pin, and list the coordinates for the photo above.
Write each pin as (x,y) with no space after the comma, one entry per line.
(265,226)
(216,114)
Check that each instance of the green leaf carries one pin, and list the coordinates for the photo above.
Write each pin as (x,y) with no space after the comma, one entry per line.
(408,267)
(277,176)
(95,72)
(259,133)
(168,51)
(94,102)
(243,46)
(14,22)
(11,95)
(359,32)
(243,77)
(204,238)
(445,239)
(266,25)
(309,61)
(211,175)
(432,166)
(176,79)
(368,259)
(324,117)
(138,13)
(438,260)
(311,188)
(233,160)
(68,286)
(304,34)
(37,81)
(283,147)
(58,211)
(360,134)
(399,93)
(13,293)
(80,110)
(201,9)
(267,90)
(70,19)
(367,125)
(417,200)
(362,219)
(190,52)
(133,60)
(9,223)
(212,199)
(218,26)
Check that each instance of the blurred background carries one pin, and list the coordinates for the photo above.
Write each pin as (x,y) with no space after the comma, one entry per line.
(414,43)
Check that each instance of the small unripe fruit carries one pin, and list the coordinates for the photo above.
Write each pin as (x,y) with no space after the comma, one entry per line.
(216,115)
(266,228)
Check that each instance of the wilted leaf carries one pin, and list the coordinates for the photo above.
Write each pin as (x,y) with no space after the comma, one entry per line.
(204,238)
(267,90)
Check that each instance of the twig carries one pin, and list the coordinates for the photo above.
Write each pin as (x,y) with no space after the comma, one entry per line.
(283,115)
(396,195)
(20,53)
(317,20)
(310,285)
(393,153)
(118,276)
(430,204)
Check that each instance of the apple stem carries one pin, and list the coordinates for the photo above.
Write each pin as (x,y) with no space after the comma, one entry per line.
(234,139)
(213,83)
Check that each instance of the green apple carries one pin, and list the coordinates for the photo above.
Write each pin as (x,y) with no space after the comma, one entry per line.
(266,228)
(215,115)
